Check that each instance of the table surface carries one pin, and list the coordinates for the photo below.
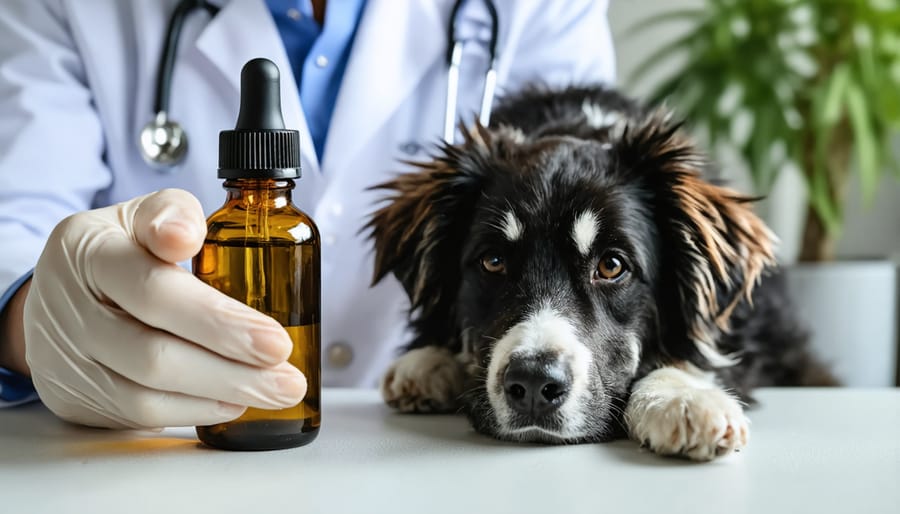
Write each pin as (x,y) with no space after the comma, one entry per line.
(816,451)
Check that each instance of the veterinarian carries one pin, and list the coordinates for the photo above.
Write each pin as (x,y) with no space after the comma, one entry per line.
(366,83)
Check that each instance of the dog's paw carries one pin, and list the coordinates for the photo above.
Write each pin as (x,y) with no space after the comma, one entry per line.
(699,424)
(426,379)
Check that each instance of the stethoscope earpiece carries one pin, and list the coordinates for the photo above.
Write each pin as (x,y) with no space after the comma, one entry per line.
(163,143)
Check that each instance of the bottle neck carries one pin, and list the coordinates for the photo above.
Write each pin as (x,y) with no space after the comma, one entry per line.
(270,193)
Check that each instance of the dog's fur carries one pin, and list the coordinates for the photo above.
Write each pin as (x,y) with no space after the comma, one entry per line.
(504,243)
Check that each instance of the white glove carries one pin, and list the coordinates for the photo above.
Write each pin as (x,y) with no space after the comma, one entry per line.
(117,335)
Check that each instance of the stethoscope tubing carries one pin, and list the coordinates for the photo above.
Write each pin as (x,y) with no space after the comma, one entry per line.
(168,141)
(454,63)
(170,50)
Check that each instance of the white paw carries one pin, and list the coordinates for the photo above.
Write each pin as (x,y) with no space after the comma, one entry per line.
(426,379)
(700,424)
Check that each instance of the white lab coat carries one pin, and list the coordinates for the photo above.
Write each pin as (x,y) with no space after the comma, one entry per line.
(77,80)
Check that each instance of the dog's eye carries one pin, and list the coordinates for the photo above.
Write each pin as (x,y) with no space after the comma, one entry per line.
(610,267)
(493,263)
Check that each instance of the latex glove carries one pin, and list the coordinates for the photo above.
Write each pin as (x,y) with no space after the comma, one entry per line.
(117,335)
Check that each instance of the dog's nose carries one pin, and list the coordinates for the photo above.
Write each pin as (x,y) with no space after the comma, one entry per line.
(535,386)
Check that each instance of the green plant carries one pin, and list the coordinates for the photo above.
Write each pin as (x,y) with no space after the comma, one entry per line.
(790,82)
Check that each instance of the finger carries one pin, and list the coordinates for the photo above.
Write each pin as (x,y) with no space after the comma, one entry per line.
(169,298)
(169,223)
(150,408)
(144,409)
(161,361)
(158,409)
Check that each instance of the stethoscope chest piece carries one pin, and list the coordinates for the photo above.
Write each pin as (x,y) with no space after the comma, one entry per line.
(163,143)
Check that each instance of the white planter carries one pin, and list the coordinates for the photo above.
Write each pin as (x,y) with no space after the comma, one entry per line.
(851,308)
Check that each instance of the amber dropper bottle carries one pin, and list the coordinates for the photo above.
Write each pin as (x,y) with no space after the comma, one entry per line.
(262,250)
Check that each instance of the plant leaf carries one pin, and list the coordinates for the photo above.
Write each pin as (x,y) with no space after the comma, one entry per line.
(865,57)
(835,93)
(757,153)
(668,16)
(667,91)
(821,195)
(665,52)
(867,146)
(820,192)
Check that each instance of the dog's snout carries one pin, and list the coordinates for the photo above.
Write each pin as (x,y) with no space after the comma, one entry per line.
(535,387)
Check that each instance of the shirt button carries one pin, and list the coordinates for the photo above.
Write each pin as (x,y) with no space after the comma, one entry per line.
(329,239)
(294,14)
(339,355)
(337,209)
(321,61)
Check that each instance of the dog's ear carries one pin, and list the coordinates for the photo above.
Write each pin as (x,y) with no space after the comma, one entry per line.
(418,233)
(714,248)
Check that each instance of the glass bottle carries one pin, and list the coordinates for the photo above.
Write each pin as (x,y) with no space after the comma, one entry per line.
(263,251)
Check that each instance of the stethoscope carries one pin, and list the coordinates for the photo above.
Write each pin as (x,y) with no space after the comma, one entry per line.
(454,60)
(163,142)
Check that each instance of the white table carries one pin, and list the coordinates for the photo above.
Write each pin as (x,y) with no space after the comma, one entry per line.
(811,451)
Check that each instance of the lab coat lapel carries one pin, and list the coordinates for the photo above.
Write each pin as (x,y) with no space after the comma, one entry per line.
(244,30)
(395,44)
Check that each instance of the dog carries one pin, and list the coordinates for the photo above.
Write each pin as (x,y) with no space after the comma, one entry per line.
(574,278)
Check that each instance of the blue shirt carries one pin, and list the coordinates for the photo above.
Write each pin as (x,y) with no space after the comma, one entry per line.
(318,56)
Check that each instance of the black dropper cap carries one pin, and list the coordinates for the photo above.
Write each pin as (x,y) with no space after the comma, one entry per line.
(259,146)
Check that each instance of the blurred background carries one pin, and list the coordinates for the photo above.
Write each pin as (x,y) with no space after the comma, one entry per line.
(798,101)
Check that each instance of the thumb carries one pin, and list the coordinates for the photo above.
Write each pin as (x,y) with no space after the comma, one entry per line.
(169,223)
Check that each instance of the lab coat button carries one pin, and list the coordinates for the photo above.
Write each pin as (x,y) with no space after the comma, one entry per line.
(321,61)
(339,355)
(329,239)
(410,147)
(294,14)
(337,209)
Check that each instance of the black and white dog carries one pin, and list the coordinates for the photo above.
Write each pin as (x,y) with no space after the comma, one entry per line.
(573,278)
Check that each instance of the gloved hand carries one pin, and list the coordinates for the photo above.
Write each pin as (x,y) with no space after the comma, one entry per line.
(117,335)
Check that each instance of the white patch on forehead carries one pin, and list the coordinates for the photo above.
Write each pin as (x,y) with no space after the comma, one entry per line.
(584,231)
(597,117)
(512,227)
